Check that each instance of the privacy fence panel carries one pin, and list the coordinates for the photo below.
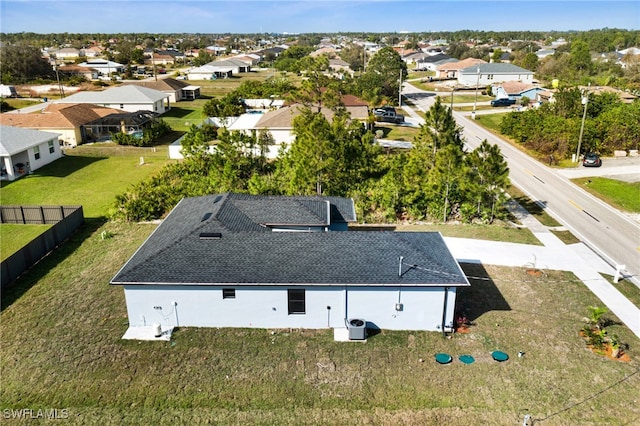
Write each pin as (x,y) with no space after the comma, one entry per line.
(65,220)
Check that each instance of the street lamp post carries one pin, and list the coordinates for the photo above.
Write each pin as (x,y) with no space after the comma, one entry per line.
(453,89)
(475,101)
(585,102)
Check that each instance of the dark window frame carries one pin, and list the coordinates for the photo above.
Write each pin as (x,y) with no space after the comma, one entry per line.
(228,293)
(296,301)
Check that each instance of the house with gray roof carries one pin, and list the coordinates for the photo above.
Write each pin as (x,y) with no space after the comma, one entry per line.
(25,150)
(238,260)
(129,98)
(483,74)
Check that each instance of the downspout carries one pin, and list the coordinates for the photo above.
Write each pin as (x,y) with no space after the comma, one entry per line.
(444,309)
(346,307)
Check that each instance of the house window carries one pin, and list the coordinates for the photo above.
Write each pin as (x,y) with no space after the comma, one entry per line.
(36,152)
(52,149)
(296,301)
(228,293)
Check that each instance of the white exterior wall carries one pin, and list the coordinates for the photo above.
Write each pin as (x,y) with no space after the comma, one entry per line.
(487,79)
(158,107)
(267,307)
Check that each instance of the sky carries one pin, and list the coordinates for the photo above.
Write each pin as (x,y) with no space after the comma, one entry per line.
(306,16)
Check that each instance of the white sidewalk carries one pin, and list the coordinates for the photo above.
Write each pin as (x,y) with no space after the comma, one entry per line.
(553,254)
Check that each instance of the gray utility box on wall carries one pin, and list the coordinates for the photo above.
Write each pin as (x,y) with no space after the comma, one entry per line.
(357,329)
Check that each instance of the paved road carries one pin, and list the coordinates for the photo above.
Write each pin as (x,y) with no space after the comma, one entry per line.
(611,234)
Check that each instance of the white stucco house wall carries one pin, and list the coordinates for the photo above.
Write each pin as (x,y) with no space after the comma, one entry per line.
(238,260)
(26,150)
(103,66)
(126,98)
(485,74)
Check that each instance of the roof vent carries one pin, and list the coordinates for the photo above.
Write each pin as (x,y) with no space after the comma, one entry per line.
(218,198)
(206,216)
(210,235)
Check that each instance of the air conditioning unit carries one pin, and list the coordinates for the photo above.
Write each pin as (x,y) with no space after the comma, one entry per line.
(357,329)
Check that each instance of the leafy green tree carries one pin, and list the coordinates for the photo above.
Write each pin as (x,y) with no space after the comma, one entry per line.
(383,73)
(440,128)
(489,178)
(497,55)
(445,182)
(309,158)
(21,63)
(581,57)
(528,62)
(354,55)
(197,140)
(230,105)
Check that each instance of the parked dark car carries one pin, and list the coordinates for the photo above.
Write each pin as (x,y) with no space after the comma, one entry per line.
(390,117)
(502,102)
(591,160)
(383,110)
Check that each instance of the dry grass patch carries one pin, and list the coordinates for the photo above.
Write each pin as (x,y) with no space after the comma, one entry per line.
(62,348)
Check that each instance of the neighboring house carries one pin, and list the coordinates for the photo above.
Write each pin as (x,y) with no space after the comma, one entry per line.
(239,260)
(68,120)
(339,66)
(68,53)
(177,90)
(93,52)
(25,150)
(543,53)
(210,72)
(280,122)
(160,59)
(103,66)
(250,59)
(483,74)
(452,69)
(515,90)
(270,116)
(126,98)
(432,62)
(87,73)
(8,91)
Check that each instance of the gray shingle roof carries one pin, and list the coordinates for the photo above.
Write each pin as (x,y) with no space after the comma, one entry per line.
(128,94)
(249,254)
(15,139)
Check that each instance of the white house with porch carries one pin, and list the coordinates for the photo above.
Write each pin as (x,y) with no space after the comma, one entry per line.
(25,150)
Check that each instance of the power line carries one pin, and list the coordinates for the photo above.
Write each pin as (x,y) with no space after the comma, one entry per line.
(590,397)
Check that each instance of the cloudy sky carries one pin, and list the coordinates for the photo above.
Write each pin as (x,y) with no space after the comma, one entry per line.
(299,16)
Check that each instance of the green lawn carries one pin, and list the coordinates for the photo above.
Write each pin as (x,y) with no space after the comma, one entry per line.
(84,178)
(621,195)
(71,356)
(15,236)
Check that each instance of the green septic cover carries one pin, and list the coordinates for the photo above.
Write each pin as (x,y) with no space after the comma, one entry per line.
(443,358)
(499,356)
(466,359)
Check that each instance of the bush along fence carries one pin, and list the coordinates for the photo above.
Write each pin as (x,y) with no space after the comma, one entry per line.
(65,220)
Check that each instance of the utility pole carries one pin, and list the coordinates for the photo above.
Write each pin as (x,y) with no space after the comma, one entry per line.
(400,90)
(585,102)
(473,114)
